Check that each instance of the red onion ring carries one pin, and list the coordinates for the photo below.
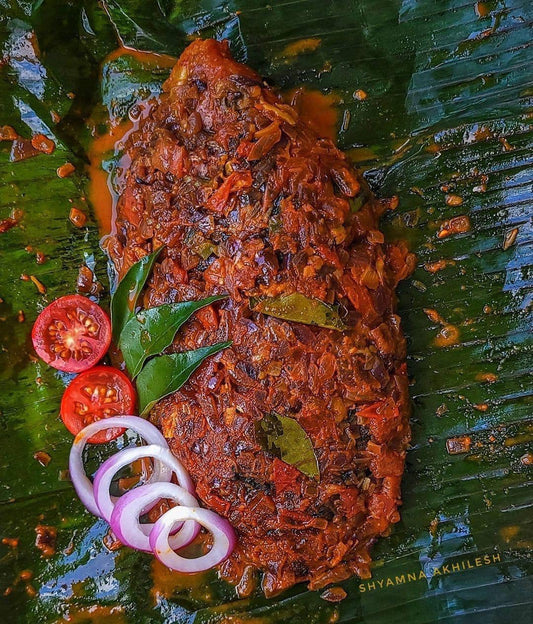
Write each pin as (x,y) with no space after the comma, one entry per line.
(177,527)
(82,484)
(223,539)
(125,517)
(104,475)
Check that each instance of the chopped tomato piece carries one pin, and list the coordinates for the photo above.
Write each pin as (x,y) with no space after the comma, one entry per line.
(236,181)
(284,476)
(95,394)
(43,144)
(77,217)
(208,317)
(72,334)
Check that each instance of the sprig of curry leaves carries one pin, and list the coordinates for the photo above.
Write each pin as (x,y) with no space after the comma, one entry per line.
(142,336)
(151,331)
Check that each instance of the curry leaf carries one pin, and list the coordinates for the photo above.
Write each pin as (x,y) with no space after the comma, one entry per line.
(125,297)
(167,374)
(285,438)
(151,331)
(302,309)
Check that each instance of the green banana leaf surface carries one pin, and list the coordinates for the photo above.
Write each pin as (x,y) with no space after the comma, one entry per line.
(447,126)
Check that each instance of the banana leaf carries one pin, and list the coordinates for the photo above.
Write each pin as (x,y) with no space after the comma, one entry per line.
(447,112)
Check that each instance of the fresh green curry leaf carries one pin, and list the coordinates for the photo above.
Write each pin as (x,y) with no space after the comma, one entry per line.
(151,331)
(125,297)
(285,438)
(302,309)
(167,373)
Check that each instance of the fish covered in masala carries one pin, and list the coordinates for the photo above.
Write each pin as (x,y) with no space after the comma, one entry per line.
(297,432)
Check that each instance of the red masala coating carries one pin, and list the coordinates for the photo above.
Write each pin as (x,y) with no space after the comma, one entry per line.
(250,202)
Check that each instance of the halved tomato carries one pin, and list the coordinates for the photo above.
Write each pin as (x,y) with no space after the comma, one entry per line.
(72,334)
(98,393)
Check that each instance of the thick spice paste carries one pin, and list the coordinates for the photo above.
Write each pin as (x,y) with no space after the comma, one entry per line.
(249,201)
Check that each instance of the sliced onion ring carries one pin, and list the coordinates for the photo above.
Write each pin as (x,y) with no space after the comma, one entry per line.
(125,517)
(221,530)
(82,484)
(104,475)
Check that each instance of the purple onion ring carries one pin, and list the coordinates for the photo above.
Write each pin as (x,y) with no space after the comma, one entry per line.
(81,482)
(125,517)
(104,475)
(221,530)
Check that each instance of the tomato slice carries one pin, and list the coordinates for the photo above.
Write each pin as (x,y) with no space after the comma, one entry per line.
(95,394)
(72,334)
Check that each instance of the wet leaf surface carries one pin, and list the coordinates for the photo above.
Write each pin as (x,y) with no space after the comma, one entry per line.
(448,102)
